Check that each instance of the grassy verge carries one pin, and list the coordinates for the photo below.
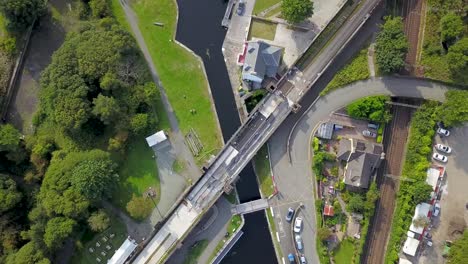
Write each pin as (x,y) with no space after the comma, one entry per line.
(415,165)
(180,71)
(233,226)
(345,252)
(262,29)
(88,240)
(138,172)
(261,5)
(119,14)
(355,70)
(263,171)
(276,244)
(195,251)
(273,11)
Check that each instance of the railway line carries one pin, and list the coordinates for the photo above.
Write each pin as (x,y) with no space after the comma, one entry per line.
(412,21)
(394,146)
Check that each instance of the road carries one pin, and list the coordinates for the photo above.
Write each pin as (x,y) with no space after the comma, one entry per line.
(294,179)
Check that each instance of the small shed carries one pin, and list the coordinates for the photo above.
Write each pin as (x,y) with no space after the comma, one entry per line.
(328,210)
(325,130)
(422,210)
(411,246)
(156,138)
(124,252)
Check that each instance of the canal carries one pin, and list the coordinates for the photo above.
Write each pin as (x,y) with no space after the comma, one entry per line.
(199,28)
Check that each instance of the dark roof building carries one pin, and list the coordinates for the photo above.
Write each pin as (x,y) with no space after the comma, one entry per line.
(362,160)
(261,59)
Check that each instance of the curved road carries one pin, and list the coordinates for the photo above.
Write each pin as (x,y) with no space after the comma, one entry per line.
(295,180)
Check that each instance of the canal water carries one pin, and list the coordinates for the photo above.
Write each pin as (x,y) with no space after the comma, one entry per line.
(199,28)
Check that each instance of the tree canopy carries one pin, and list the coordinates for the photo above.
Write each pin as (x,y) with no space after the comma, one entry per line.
(29,253)
(21,13)
(371,108)
(139,207)
(457,58)
(57,230)
(99,221)
(459,250)
(9,195)
(391,46)
(356,204)
(295,11)
(451,27)
(455,109)
(9,138)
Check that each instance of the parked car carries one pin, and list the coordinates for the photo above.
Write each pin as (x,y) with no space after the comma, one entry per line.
(298,224)
(303,259)
(443,148)
(443,132)
(368,133)
(373,126)
(291,258)
(439,157)
(299,242)
(436,209)
(290,214)
(240,8)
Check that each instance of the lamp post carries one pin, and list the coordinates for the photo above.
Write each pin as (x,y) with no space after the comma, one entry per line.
(151,193)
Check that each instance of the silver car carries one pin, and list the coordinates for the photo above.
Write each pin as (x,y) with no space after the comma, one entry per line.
(443,148)
(443,132)
(439,157)
(368,133)
(299,242)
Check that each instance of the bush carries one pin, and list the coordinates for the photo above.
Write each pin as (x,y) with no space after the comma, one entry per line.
(8,45)
(316,144)
(139,207)
(391,46)
(379,139)
(371,108)
(318,161)
(99,221)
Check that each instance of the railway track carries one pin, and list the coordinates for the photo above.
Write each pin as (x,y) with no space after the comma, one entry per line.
(394,145)
(412,21)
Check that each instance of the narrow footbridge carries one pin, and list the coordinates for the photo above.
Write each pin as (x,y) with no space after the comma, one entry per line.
(250,207)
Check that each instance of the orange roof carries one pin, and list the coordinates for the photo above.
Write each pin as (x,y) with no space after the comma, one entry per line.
(328,210)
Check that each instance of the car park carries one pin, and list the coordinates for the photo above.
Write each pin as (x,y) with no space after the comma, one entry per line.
(303,259)
(298,224)
(439,157)
(290,214)
(368,133)
(443,148)
(298,239)
(291,258)
(436,209)
(443,132)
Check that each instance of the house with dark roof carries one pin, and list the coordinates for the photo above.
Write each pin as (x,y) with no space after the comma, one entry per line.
(362,161)
(260,60)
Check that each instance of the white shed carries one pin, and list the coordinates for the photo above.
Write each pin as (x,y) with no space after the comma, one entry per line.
(156,138)
(122,254)
(422,209)
(411,246)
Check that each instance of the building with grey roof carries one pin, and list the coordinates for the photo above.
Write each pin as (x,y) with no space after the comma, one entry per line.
(362,161)
(261,60)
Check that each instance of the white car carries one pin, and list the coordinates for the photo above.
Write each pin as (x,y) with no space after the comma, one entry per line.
(443,132)
(298,224)
(439,157)
(368,133)
(299,242)
(303,259)
(443,148)
(436,209)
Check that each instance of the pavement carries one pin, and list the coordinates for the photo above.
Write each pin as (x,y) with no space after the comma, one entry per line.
(294,179)
(454,196)
(212,227)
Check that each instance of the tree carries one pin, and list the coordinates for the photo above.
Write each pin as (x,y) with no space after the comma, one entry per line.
(99,8)
(391,46)
(9,195)
(455,109)
(356,204)
(10,138)
(106,108)
(57,230)
(93,174)
(139,207)
(451,27)
(371,197)
(139,123)
(459,250)
(21,13)
(295,11)
(99,221)
(421,191)
(457,58)
(29,253)
(323,233)
(372,108)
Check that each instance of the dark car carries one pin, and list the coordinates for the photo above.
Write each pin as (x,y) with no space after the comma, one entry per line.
(291,258)
(290,214)
(240,8)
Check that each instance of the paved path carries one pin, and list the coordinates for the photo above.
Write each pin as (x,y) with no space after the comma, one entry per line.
(177,139)
(295,180)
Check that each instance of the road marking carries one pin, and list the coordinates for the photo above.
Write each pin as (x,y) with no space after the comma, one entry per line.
(277,237)
(284,262)
(272,212)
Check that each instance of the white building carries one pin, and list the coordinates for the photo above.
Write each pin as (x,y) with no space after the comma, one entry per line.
(411,246)
(422,210)
(124,252)
(156,138)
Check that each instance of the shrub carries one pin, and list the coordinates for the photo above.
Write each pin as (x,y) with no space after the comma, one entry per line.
(99,221)
(139,207)
(371,108)
(379,139)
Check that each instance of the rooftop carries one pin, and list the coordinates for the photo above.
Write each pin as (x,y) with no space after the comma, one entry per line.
(422,210)
(261,59)
(411,246)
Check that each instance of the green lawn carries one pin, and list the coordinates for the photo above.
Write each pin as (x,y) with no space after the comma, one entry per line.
(344,253)
(262,29)
(263,171)
(180,72)
(195,252)
(138,172)
(89,239)
(261,5)
(119,14)
(273,11)
(355,70)
(2,26)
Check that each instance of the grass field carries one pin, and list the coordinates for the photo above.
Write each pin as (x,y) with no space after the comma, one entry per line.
(2,26)
(262,29)
(263,171)
(196,251)
(261,5)
(344,253)
(179,70)
(138,172)
(357,69)
(274,11)
(89,239)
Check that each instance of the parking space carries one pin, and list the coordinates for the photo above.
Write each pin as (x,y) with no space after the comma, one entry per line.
(453,217)
(352,128)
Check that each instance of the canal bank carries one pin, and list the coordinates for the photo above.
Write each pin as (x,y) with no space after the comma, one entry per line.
(200,30)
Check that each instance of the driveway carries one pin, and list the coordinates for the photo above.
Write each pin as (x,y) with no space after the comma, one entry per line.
(453,214)
(294,179)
